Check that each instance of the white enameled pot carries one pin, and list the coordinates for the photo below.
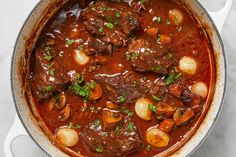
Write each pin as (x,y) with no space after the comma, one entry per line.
(211,21)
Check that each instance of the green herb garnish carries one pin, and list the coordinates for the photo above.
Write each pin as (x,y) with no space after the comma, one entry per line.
(69,42)
(117,14)
(148,148)
(96,123)
(109,25)
(172,77)
(158,20)
(170,55)
(48,57)
(130,126)
(51,72)
(92,108)
(80,47)
(99,149)
(156,98)
(101,30)
(152,107)
(47,89)
(167,21)
(122,99)
(128,56)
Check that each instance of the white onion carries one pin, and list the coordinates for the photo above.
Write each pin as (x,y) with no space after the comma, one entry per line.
(157,138)
(176,16)
(142,109)
(188,65)
(200,88)
(67,137)
(81,58)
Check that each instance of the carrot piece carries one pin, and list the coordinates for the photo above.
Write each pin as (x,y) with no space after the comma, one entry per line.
(152,32)
(165,39)
(166,125)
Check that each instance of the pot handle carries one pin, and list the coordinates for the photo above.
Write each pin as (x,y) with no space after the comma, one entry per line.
(220,16)
(16,130)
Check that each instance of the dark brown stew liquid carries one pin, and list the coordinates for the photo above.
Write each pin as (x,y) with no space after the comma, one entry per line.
(124,51)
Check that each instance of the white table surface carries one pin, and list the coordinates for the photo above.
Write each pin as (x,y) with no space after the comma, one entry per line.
(220,143)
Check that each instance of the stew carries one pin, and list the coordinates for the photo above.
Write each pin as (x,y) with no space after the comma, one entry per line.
(121,78)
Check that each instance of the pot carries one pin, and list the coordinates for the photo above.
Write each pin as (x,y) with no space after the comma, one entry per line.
(28,36)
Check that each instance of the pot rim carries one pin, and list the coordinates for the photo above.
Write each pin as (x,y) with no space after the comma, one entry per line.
(194,148)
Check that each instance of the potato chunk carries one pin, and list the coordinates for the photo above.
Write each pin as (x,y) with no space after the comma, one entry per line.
(188,65)
(157,138)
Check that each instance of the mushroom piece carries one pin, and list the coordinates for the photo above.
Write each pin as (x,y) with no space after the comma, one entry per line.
(97,92)
(183,115)
(110,105)
(67,137)
(59,101)
(110,119)
(188,65)
(157,138)
(164,109)
(200,88)
(65,113)
(142,109)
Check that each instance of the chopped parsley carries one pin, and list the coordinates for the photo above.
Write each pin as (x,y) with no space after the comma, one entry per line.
(80,78)
(155,98)
(130,126)
(71,125)
(109,25)
(47,89)
(117,14)
(136,55)
(92,85)
(128,112)
(158,19)
(81,90)
(96,123)
(170,55)
(80,47)
(51,72)
(128,56)
(69,42)
(101,30)
(48,57)
(172,77)
(159,117)
(122,99)
(142,1)
(99,149)
(117,129)
(152,107)
(157,68)
(148,148)
(167,21)
(92,108)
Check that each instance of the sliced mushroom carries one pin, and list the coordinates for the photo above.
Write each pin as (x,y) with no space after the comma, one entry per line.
(176,16)
(97,92)
(157,138)
(67,137)
(58,101)
(164,109)
(183,115)
(110,119)
(65,113)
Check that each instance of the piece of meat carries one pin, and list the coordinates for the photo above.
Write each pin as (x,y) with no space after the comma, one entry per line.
(138,6)
(148,56)
(119,142)
(95,45)
(48,77)
(176,90)
(122,87)
(109,24)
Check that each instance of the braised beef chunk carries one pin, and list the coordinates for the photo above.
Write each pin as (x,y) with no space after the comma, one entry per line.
(123,140)
(95,45)
(49,74)
(122,88)
(110,24)
(138,6)
(148,56)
